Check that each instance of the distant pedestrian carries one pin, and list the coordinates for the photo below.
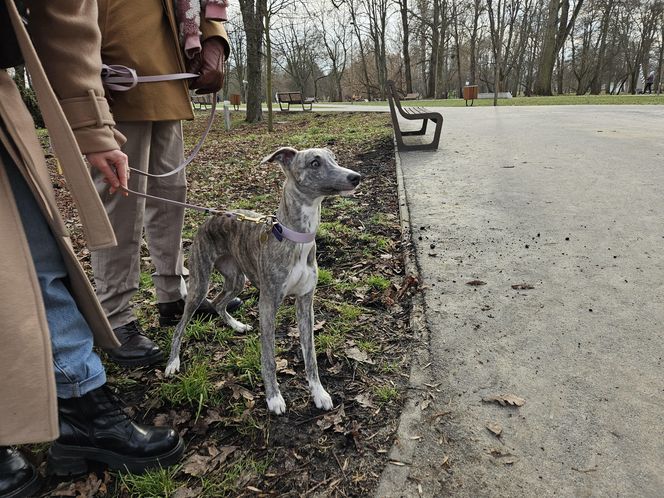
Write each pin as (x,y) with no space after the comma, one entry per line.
(649,81)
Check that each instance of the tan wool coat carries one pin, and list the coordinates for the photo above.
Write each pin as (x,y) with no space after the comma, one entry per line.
(154,50)
(67,39)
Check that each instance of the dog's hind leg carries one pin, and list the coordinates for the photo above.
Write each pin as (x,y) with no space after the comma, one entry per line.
(305,320)
(234,281)
(268,302)
(201,262)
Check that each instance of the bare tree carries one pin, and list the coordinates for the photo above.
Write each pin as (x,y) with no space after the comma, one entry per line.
(238,53)
(253,14)
(405,41)
(496,21)
(557,28)
(273,9)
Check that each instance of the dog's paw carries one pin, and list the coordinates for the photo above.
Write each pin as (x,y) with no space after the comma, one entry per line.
(322,400)
(276,404)
(237,326)
(243,327)
(172,367)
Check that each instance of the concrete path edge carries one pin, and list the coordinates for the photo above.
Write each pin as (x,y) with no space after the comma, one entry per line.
(397,470)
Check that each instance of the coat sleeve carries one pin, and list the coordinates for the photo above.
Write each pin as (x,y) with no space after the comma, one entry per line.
(68,41)
(215,28)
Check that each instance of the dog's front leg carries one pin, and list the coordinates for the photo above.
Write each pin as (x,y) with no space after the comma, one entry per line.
(268,302)
(305,320)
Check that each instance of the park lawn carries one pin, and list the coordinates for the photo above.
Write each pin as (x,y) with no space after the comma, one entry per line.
(536,101)
(362,333)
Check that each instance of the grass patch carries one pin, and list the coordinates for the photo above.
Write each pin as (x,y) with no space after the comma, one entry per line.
(246,363)
(199,329)
(368,346)
(385,394)
(331,338)
(325,277)
(231,479)
(145,280)
(193,387)
(255,203)
(376,241)
(349,312)
(151,484)
(377,282)
(334,230)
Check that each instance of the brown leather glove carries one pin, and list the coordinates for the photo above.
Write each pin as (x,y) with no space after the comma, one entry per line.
(210,63)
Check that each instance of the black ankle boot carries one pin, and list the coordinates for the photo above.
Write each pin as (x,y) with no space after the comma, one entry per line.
(170,313)
(94,428)
(137,349)
(18,477)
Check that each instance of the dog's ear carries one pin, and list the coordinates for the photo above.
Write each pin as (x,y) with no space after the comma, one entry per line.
(284,156)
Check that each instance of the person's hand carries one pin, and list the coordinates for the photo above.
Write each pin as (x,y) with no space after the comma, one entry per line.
(113,164)
(211,65)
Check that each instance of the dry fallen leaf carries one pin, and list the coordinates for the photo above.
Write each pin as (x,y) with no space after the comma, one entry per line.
(185,492)
(333,419)
(365,401)
(197,465)
(522,286)
(502,456)
(476,283)
(505,399)
(282,364)
(356,354)
(495,428)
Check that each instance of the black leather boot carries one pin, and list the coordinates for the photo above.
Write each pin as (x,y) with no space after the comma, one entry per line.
(170,313)
(18,477)
(94,428)
(137,350)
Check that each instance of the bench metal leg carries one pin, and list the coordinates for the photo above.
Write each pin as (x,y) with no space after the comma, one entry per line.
(421,131)
(433,145)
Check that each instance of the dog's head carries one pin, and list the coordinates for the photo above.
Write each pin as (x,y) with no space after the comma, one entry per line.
(315,172)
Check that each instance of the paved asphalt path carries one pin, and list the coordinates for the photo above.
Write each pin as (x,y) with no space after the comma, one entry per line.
(568,200)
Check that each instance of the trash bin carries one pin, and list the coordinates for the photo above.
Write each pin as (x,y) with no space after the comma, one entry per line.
(470,92)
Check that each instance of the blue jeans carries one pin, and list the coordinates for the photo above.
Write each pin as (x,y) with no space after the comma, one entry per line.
(78,369)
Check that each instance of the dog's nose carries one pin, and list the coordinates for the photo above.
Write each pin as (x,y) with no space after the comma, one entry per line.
(354,179)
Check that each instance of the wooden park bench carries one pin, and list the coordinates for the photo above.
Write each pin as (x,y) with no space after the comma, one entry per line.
(411,96)
(202,101)
(412,113)
(289,98)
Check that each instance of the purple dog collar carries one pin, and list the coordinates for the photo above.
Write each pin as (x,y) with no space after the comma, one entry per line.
(281,232)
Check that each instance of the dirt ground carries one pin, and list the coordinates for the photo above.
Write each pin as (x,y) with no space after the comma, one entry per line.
(234,447)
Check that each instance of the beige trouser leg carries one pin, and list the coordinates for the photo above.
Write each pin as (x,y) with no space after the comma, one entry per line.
(155,147)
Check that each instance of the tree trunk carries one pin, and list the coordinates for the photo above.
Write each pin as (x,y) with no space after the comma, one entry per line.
(268,72)
(556,30)
(561,73)
(403,7)
(660,62)
(473,41)
(252,18)
(435,47)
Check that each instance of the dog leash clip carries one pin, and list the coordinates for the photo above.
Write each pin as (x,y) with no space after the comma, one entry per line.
(269,227)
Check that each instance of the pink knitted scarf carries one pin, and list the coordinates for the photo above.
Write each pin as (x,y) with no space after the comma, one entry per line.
(188,14)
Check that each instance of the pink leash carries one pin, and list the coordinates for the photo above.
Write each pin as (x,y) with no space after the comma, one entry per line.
(122,78)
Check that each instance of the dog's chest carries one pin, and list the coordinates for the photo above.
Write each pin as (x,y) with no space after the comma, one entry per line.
(302,277)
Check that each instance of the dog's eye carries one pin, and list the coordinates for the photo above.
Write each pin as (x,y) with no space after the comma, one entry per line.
(314,163)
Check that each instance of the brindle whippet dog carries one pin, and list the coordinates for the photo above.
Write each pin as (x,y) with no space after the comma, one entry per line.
(278,257)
